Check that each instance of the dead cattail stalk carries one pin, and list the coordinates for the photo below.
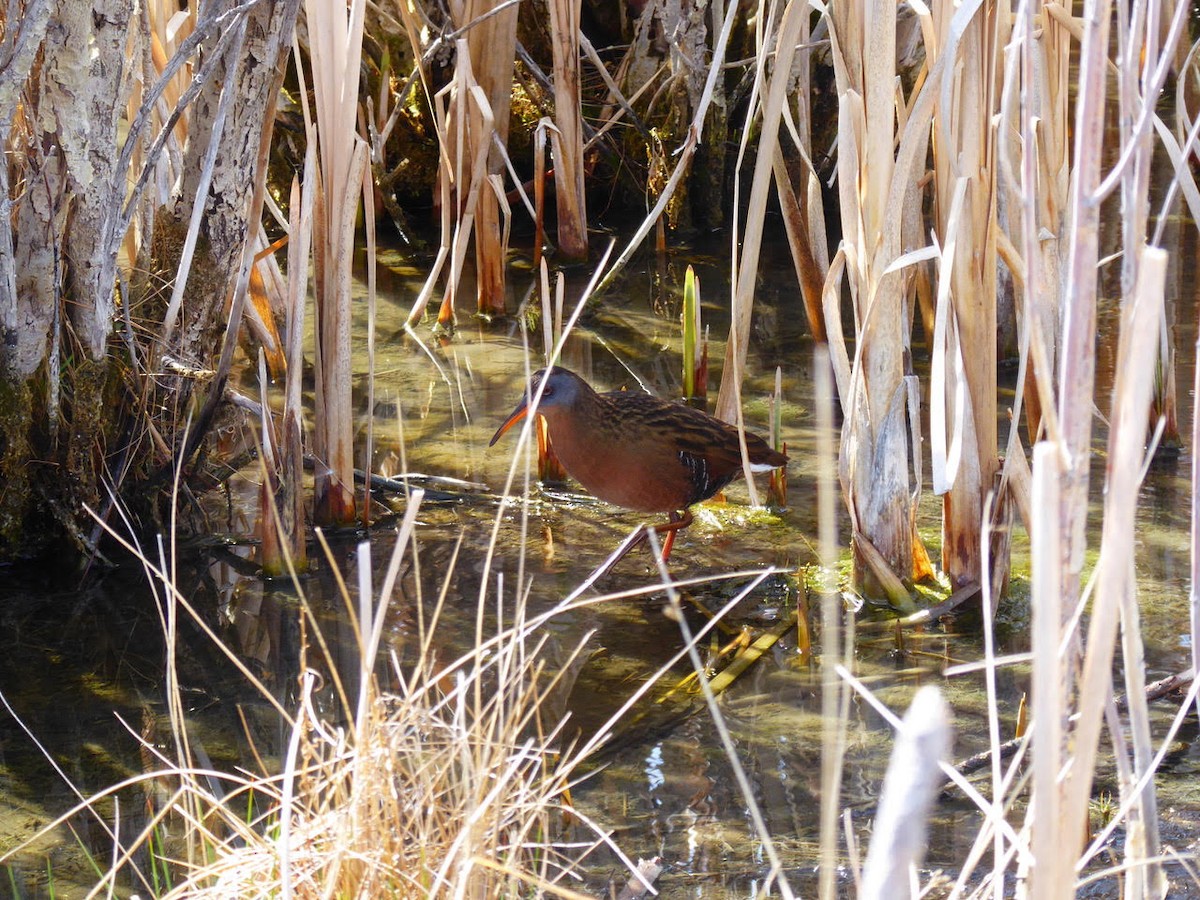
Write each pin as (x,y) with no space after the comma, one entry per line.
(809,273)
(468,118)
(368,196)
(801,202)
(271,554)
(568,156)
(1194,586)
(490,48)
(832,692)
(1078,359)
(281,506)
(335,34)
(291,506)
(1142,60)
(1036,189)
(443,197)
(966,217)
(539,189)
(877,184)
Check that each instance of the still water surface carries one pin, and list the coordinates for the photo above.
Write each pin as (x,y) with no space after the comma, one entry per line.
(83,669)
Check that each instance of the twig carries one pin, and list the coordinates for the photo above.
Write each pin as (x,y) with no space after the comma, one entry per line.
(925,616)
(1154,691)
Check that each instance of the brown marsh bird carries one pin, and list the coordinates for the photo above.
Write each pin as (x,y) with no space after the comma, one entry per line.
(637,451)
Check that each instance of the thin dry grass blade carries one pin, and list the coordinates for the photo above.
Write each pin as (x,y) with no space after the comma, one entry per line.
(1138,340)
(1053,875)
(832,734)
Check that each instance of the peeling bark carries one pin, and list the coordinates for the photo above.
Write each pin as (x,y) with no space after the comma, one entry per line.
(72,125)
(18,51)
(64,194)
(269,27)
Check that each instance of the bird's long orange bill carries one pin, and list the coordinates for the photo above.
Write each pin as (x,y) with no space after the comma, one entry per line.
(518,414)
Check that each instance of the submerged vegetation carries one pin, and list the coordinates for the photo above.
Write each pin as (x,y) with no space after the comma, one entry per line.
(943,174)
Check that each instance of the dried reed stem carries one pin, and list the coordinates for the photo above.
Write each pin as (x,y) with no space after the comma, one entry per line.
(1078,359)
(832,692)
(299,248)
(965,160)
(876,184)
(568,113)
(1138,344)
(1051,875)
(335,34)
(490,45)
(899,835)
(746,264)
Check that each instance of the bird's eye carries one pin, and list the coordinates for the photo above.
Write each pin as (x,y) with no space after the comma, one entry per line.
(548,392)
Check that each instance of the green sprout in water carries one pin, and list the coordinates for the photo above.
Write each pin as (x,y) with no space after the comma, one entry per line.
(695,353)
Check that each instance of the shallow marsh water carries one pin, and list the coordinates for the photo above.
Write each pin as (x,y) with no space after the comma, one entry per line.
(71,661)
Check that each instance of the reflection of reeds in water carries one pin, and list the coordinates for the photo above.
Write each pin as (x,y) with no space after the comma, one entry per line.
(442,776)
(281,510)
(451,783)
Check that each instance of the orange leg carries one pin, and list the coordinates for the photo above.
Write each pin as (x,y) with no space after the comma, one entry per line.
(668,544)
(676,524)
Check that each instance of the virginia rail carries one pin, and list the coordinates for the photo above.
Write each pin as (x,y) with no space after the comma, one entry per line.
(637,451)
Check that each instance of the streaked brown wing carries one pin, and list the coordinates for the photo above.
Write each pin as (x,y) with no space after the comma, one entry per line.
(706,447)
